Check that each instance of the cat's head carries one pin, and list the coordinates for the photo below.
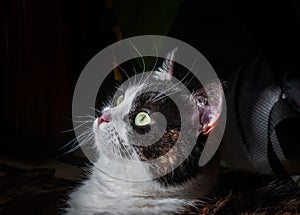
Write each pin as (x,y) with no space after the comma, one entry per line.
(143,121)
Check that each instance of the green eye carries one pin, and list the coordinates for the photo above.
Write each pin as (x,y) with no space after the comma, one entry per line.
(120,99)
(142,118)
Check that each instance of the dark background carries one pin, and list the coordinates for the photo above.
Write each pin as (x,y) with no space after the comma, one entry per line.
(44,45)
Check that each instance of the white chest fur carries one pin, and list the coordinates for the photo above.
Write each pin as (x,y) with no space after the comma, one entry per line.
(102,194)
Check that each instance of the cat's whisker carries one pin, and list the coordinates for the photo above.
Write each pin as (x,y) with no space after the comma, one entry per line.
(152,70)
(74,140)
(124,151)
(74,148)
(89,137)
(158,97)
(125,74)
(82,121)
(86,116)
(180,82)
(70,142)
(130,155)
(135,73)
(156,52)
(73,129)
(121,152)
(117,151)
(194,75)
(84,141)
(82,137)
(184,85)
(89,118)
(79,117)
(161,96)
(164,96)
(89,133)
(95,109)
(192,67)
(144,65)
(176,85)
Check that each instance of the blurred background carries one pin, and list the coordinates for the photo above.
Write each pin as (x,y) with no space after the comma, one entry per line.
(44,45)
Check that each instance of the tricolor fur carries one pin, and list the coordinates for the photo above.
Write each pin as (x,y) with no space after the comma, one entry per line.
(106,192)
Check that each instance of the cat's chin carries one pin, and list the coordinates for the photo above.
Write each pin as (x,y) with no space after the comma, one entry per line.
(99,131)
(122,168)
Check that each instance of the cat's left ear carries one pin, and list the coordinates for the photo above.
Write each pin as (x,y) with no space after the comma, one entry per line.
(165,72)
(209,101)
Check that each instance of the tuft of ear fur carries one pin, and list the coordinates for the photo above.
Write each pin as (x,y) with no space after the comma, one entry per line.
(209,101)
(165,72)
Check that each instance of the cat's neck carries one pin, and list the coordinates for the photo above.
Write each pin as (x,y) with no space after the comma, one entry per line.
(102,193)
(121,169)
(115,179)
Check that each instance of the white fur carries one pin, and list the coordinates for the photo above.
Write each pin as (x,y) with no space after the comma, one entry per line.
(103,194)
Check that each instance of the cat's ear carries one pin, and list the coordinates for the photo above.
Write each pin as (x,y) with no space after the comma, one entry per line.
(165,72)
(209,101)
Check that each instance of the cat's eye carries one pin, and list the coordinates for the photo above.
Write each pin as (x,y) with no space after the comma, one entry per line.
(119,99)
(142,118)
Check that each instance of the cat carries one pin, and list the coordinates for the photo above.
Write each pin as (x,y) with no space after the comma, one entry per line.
(131,113)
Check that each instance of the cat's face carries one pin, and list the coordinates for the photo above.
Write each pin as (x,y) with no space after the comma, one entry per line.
(130,125)
(143,122)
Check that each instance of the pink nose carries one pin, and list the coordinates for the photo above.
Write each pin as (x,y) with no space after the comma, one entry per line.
(105,117)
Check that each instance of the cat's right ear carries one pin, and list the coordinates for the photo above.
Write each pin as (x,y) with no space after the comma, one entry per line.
(209,101)
(165,72)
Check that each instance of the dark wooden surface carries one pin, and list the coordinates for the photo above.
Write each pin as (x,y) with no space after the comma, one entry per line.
(32,191)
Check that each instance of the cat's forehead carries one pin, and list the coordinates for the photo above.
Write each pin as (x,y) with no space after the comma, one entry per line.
(131,91)
(149,86)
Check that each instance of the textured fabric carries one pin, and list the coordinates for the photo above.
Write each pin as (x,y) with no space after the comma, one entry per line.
(251,95)
(280,111)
